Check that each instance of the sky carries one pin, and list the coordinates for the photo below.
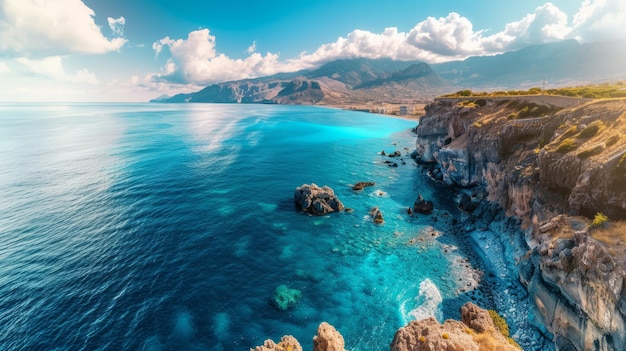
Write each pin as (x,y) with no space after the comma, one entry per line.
(133,51)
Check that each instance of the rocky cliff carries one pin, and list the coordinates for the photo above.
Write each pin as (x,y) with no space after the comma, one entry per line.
(540,157)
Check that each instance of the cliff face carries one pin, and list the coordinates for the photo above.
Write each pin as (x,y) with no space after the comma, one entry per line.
(538,157)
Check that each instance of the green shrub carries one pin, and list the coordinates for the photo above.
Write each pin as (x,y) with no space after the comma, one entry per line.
(590,151)
(499,322)
(465,92)
(566,146)
(592,129)
(600,220)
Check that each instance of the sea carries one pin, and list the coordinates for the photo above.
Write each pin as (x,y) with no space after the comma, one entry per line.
(170,227)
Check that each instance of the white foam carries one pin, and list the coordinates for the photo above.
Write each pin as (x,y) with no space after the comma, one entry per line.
(428,302)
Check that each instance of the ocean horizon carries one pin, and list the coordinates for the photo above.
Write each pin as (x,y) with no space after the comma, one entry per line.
(170,227)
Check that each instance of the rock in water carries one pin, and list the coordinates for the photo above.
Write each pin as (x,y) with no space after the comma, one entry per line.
(423,206)
(316,200)
(361,185)
(287,343)
(377,216)
(328,339)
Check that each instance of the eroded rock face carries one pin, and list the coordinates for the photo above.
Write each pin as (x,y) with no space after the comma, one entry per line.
(579,289)
(476,332)
(328,339)
(315,200)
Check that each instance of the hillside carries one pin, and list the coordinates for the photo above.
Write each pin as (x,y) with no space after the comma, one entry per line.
(561,63)
(335,83)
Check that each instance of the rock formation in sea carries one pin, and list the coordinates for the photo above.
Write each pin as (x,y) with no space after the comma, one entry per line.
(327,339)
(477,331)
(315,200)
(362,185)
(422,206)
(552,163)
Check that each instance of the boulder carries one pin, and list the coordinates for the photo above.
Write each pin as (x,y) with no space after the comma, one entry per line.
(422,206)
(316,200)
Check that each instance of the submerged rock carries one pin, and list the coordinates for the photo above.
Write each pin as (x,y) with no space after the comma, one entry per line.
(285,298)
(316,200)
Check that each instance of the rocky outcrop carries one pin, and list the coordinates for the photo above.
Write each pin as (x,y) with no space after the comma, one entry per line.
(328,339)
(316,200)
(377,216)
(287,343)
(476,332)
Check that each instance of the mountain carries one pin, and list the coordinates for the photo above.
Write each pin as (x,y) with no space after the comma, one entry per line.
(335,83)
(561,63)
(363,81)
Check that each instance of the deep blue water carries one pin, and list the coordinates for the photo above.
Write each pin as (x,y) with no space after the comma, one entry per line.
(168,227)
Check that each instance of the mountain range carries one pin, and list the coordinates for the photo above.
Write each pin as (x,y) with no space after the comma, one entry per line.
(360,80)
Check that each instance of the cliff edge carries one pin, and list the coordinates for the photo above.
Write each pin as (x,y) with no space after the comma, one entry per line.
(554,163)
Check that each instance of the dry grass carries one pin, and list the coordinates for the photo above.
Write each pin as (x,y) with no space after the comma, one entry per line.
(613,235)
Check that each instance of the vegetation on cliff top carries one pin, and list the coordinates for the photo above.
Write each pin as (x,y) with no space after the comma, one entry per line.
(601,91)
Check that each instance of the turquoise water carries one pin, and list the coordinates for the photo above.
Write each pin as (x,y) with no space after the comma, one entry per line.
(168,227)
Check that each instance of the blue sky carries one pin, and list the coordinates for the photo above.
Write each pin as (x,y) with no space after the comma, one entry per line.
(121,50)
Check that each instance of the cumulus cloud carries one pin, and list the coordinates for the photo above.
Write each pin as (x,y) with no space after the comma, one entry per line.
(36,28)
(52,67)
(600,20)
(195,60)
(117,25)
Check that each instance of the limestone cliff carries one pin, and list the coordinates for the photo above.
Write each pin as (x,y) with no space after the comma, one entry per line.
(538,157)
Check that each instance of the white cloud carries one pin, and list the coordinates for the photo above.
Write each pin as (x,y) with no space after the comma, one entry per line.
(195,60)
(37,28)
(600,20)
(52,67)
(117,25)
(251,48)
(4,68)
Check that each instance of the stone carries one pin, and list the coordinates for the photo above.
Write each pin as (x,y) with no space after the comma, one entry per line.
(423,206)
(361,185)
(328,339)
(317,201)
(377,216)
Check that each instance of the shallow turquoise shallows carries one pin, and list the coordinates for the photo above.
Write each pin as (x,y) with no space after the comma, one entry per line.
(169,227)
